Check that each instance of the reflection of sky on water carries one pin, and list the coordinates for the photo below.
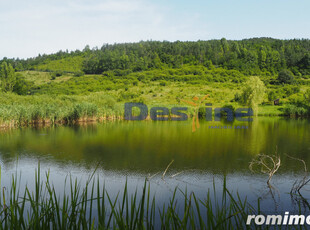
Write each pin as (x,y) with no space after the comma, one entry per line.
(253,187)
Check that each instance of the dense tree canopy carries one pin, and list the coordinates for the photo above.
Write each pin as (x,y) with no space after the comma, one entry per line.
(257,56)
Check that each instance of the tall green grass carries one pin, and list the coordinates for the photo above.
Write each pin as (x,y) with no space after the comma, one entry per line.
(92,207)
(24,110)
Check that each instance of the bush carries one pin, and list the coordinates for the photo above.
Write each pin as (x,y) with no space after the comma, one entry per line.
(53,76)
(231,107)
(237,97)
(79,74)
(59,73)
(307,96)
(296,110)
(272,95)
(286,77)
(22,86)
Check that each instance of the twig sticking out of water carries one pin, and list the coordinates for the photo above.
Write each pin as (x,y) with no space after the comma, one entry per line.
(150,177)
(299,184)
(269,164)
(163,176)
(176,174)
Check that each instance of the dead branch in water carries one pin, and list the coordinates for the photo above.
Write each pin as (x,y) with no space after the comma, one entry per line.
(299,184)
(164,173)
(167,169)
(150,177)
(269,164)
(176,174)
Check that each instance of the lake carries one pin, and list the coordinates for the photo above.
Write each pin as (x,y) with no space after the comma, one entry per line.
(137,150)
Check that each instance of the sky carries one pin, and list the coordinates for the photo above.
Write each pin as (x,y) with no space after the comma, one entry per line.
(32,27)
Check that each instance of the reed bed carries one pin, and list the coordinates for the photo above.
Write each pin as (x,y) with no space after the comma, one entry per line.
(21,111)
(91,207)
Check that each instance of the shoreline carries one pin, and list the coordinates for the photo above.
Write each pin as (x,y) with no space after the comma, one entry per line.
(95,120)
(48,122)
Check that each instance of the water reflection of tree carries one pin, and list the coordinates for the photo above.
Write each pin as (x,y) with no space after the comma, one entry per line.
(274,193)
(258,136)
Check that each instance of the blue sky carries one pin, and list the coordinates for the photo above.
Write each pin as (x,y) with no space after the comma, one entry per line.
(30,27)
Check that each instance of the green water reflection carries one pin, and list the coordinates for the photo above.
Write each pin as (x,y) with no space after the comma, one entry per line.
(147,146)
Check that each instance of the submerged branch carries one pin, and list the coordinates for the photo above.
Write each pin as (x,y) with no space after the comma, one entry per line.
(299,184)
(268,164)
(167,169)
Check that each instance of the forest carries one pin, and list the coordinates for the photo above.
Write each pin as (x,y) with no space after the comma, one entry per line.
(257,56)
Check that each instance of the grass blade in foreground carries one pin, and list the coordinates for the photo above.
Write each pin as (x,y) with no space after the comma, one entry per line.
(91,207)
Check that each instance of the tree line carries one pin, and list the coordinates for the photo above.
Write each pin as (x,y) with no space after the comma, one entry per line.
(257,56)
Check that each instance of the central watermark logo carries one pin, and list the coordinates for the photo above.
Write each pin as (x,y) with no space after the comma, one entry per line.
(179,113)
(197,104)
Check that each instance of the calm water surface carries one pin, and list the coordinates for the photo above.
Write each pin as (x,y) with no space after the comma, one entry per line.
(136,150)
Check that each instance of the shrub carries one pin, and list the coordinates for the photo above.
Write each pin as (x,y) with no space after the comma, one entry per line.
(59,73)
(79,73)
(272,95)
(307,96)
(22,86)
(286,77)
(237,97)
(53,76)
(231,107)
(296,110)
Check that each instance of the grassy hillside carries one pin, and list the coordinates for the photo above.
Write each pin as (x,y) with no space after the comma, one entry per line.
(68,99)
(55,89)
(68,64)
(41,78)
